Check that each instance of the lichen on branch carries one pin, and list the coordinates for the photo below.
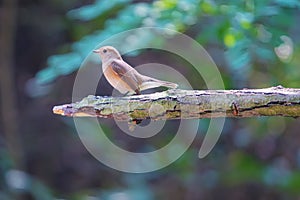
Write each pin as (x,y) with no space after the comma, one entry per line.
(189,104)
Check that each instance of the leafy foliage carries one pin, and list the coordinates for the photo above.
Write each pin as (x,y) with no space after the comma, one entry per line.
(249,30)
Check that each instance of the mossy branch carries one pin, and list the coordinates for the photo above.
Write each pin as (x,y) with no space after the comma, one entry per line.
(189,104)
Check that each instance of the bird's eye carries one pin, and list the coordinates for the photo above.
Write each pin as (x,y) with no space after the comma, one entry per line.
(104,50)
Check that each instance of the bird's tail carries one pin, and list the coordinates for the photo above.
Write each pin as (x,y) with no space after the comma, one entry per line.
(154,83)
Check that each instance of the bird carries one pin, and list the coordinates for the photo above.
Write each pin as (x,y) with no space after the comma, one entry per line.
(123,77)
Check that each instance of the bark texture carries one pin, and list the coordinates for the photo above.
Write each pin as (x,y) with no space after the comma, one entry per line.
(189,104)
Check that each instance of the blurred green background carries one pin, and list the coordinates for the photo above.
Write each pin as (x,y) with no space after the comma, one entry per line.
(255,44)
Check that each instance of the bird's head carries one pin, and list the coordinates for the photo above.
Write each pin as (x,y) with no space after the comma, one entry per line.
(108,52)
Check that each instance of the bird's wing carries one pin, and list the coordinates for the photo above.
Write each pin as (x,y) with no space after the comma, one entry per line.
(127,73)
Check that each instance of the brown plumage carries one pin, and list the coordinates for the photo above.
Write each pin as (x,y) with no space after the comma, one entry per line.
(123,77)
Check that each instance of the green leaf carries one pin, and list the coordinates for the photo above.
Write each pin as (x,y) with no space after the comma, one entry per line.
(245,19)
(288,3)
(92,11)
(238,57)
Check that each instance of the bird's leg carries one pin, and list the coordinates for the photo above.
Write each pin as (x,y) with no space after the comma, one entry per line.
(137,91)
(126,94)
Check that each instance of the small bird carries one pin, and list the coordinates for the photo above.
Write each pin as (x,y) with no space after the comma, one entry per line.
(123,77)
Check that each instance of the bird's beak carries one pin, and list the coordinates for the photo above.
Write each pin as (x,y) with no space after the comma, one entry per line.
(96,51)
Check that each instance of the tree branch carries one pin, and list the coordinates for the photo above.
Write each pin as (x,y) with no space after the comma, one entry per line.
(8,99)
(189,104)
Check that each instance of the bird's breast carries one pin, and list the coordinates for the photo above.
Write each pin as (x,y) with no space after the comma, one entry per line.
(115,80)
